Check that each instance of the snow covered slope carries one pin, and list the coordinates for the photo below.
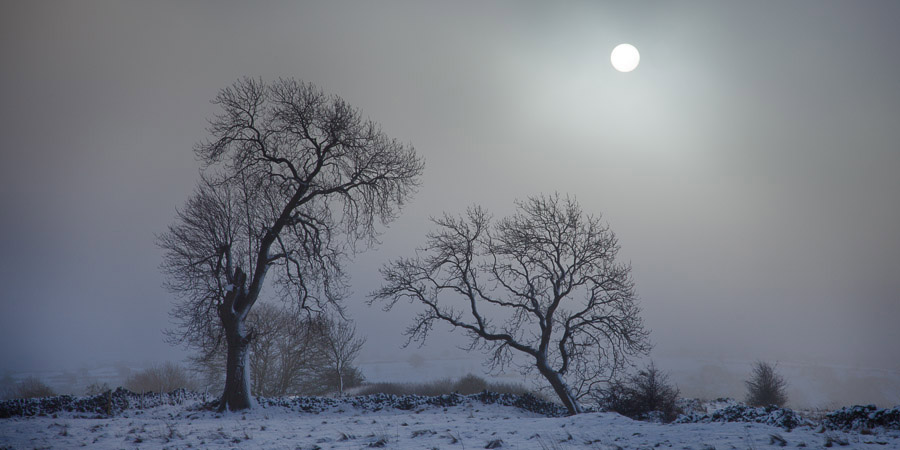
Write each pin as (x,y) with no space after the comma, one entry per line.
(348,424)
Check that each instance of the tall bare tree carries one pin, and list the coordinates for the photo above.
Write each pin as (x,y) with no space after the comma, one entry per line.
(544,283)
(293,180)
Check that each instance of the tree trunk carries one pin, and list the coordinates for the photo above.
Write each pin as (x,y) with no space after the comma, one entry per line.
(560,387)
(341,382)
(237,377)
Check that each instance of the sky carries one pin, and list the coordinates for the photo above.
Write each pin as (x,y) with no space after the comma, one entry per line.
(748,165)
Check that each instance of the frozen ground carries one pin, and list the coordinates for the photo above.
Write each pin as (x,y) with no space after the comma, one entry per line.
(469,425)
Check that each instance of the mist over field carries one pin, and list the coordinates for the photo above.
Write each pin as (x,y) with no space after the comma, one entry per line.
(748,167)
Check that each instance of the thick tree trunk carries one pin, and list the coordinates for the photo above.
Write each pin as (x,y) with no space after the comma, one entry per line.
(237,376)
(560,387)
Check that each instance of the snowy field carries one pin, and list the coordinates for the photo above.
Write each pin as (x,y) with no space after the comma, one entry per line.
(471,424)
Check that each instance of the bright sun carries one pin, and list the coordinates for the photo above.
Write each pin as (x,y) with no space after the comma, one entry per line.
(625,57)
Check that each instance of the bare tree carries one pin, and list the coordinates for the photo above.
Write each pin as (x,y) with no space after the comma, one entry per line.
(544,283)
(293,180)
(292,354)
(765,386)
(341,347)
(286,354)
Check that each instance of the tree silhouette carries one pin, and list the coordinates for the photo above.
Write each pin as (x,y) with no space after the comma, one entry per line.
(765,386)
(293,180)
(544,283)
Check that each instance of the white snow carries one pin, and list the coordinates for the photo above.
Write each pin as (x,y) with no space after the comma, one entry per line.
(472,425)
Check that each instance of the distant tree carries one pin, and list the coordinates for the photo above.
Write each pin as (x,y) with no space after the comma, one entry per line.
(294,180)
(642,393)
(341,347)
(285,354)
(160,378)
(544,283)
(765,386)
(290,355)
(32,387)
(349,377)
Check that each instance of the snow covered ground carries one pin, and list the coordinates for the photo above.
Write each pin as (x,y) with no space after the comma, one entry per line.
(468,425)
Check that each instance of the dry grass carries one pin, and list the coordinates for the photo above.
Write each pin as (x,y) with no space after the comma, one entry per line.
(161,379)
(32,387)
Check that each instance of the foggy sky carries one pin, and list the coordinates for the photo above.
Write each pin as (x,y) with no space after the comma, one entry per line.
(748,165)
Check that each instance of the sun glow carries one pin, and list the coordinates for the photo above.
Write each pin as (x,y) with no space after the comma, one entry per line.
(625,57)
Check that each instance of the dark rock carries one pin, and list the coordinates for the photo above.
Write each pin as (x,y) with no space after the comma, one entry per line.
(769,415)
(861,417)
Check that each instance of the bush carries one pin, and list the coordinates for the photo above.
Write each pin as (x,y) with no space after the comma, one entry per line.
(469,384)
(96,388)
(643,396)
(32,387)
(765,386)
(161,379)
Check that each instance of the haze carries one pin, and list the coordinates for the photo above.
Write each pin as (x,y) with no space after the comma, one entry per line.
(748,165)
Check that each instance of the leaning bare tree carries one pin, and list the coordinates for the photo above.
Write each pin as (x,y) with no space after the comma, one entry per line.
(544,283)
(293,182)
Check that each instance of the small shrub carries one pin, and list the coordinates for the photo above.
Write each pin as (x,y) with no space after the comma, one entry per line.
(645,395)
(32,387)
(765,386)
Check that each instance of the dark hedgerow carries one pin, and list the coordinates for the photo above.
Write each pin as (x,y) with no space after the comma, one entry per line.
(112,403)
